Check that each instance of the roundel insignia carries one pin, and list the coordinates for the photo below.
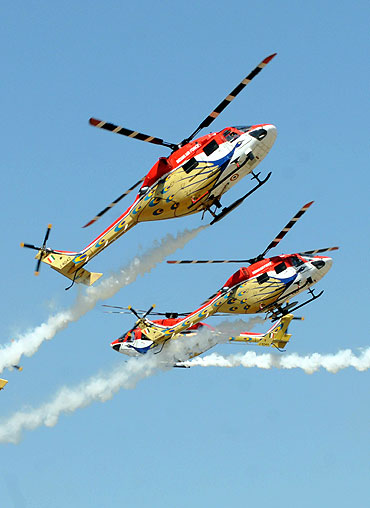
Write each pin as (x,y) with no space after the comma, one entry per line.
(218,303)
(158,211)
(233,309)
(100,243)
(154,201)
(79,258)
(137,209)
(203,313)
(148,196)
(234,177)
(120,225)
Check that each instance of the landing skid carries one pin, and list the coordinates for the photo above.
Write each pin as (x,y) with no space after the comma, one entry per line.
(282,311)
(239,201)
(160,351)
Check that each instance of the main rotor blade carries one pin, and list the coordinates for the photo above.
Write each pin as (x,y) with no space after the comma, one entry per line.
(317,251)
(125,310)
(168,315)
(273,244)
(131,134)
(285,230)
(117,307)
(112,204)
(212,116)
(204,261)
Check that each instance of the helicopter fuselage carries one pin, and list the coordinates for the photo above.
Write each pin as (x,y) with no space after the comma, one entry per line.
(135,343)
(263,287)
(190,180)
(271,282)
(199,173)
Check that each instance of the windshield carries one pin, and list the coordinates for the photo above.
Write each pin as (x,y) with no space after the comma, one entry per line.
(127,336)
(258,133)
(230,135)
(243,128)
(295,261)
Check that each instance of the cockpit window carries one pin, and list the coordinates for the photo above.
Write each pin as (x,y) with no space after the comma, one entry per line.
(262,278)
(211,147)
(295,261)
(280,267)
(127,338)
(258,133)
(230,135)
(190,165)
(243,128)
(318,264)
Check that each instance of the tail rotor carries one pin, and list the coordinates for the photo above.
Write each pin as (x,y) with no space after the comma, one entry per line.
(42,251)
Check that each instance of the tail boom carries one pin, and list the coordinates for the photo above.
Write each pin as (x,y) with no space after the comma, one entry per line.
(158,333)
(70,264)
(65,263)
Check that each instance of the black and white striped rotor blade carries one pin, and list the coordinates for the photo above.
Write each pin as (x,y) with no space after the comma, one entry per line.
(112,204)
(212,116)
(125,310)
(317,251)
(129,133)
(286,229)
(117,307)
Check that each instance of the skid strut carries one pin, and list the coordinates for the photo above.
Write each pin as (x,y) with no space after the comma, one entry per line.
(239,201)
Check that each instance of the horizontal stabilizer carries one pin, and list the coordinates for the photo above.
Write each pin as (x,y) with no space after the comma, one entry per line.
(85,277)
(65,263)
(276,336)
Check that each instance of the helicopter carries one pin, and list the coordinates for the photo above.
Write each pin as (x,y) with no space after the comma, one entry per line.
(136,343)
(266,286)
(191,179)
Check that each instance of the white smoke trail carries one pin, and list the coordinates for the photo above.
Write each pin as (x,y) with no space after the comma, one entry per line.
(29,343)
(309,363)
(102,387)
(239,326)
(67,400)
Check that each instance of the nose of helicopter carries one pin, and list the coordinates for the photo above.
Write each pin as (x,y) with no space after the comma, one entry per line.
(271,135)
(322,265)
(115,345)
(265,134)
(328,264)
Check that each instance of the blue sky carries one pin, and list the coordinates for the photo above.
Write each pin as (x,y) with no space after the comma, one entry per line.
(191,436)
